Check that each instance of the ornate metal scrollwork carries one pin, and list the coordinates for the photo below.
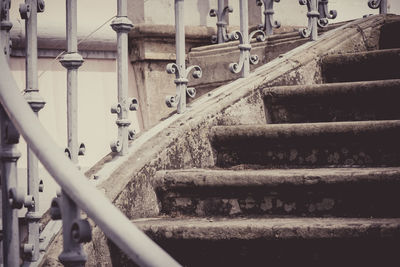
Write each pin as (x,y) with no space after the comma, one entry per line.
(245,47)
(181,81)
(313,15)
(269,22)
(381,4)
(222,35)
(325,13)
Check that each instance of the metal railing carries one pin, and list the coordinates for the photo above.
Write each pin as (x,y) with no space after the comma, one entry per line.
(18,114)
(94,203)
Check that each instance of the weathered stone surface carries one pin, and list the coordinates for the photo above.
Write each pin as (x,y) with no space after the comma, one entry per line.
(363,66)
(370,143)
(346,192)
(277,242)
(352,101)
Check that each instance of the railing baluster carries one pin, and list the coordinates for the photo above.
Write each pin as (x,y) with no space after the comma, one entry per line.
(122,26)
(9,155)
(73,254)
(382,4)
(179,68)
(220,13)
(243,36)
(313,15)
(269,23)
(324,13)
(29,11)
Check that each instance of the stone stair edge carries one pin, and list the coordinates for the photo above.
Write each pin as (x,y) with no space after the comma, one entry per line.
(196,178)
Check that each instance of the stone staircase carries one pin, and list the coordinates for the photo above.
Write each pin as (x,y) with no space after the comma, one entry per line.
(316,185)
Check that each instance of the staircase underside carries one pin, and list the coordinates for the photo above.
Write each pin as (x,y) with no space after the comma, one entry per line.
(242,180)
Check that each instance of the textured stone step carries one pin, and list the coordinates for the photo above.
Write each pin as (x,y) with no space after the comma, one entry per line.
(277,241)
(354,101)
(333,144)
(362,66)
(345,192)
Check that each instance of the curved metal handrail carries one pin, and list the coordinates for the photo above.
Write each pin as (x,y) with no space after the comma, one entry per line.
(111,220)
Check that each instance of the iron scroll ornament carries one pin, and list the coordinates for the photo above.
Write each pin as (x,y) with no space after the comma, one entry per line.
(325,13)
(269,22)
(374,4)
(245,49)
(181,79)
(222,35)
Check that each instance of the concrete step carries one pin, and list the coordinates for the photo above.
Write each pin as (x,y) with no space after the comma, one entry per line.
(333,144)
(344,192)
(362,66)
(353,101)
(276,241)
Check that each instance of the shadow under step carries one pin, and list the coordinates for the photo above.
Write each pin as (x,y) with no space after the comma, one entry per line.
(333,144)
(362,66)
(344,192)
(352,101)
(276,242)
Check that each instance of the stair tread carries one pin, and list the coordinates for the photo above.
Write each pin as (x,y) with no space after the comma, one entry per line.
(308,129)
(269,228)
(330,89)
(273,177)
(365,54)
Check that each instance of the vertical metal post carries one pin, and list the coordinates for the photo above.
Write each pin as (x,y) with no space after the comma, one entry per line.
(9,156)
(73,254)
(180,54)
(122,26)
(220,13)
(383,7)
(29,12)
(313,16)
(179,68)
(244,29)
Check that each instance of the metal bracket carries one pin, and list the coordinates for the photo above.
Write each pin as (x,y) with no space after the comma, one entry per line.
(269,22)
(25,10)
(18,199)
(325,13)
(222,35)
(81,231)
(55,208)
(41,186)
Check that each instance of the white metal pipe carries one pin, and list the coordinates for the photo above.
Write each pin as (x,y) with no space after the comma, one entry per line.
(180,53)
(244,29)
(115,225)
(36,103)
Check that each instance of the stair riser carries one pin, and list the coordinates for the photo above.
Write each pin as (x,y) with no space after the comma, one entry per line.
(325,150)
(345,200)
(381,104)
(361,68)
(330,252)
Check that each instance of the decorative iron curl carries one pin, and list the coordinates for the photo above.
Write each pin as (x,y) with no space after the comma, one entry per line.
(269,22)
(374,4)
(222,35)
(244,48)
(181,79)
(325,13)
